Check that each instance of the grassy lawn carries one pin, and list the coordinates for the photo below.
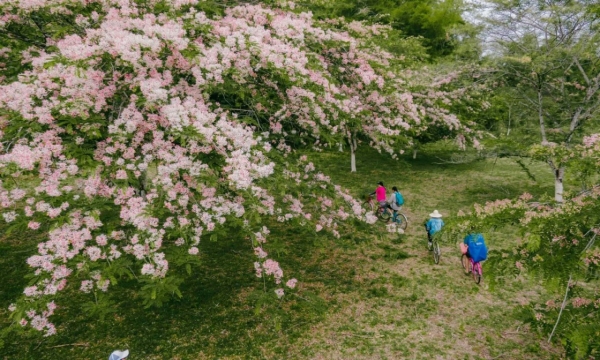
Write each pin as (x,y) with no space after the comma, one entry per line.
(367,295)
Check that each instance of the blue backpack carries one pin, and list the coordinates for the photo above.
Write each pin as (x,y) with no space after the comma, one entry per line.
(477,248)
(399,199)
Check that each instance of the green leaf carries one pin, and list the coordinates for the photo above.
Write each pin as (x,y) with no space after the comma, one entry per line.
(257,308)
(533,242)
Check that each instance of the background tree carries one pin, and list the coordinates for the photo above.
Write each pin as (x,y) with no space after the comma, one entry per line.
(434,22)
(547,61)
(558,248)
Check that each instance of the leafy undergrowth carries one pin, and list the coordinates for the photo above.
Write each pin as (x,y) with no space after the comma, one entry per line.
(367,295)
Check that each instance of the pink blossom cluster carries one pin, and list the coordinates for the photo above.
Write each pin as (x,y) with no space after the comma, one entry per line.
(579,302)
(130,152)
(39,321)
(592,258)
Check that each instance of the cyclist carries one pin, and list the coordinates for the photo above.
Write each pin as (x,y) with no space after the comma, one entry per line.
(433,225)
(396,202)
(381,194)
(476,247)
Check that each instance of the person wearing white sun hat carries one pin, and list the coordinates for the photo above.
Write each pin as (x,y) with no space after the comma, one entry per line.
(433,225)
(119,355)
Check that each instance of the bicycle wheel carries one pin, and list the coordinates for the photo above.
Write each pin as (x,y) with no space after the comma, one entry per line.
(466,264)
(384,215)
(402,221)
(436,252)
(477,273)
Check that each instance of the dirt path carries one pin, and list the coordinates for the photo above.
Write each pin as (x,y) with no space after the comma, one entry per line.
(408,308)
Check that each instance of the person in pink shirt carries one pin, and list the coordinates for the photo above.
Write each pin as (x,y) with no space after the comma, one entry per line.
(381,194)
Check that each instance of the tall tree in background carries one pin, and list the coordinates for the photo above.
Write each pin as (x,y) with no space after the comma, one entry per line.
(547,58)
(435,22)
(558,248)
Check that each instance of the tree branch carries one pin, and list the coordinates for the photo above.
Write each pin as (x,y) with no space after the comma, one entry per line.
(587,79)
(562,307)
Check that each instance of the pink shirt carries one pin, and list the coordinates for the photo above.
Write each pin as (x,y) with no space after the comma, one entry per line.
(380,193)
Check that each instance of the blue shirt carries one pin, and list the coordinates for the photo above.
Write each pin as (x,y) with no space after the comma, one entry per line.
(434,225)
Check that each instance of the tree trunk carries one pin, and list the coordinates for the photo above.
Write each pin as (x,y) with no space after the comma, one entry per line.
(559,175)
(541,117)
(341,148)
(509,113)
(353,146)
(415,153)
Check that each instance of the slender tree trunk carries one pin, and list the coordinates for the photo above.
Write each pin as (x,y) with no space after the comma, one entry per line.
(341,148)
(559,175)
(509,114)
(541,116)
(415,153)
(353,146)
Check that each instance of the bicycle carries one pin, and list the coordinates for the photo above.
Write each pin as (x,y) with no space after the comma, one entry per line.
(472,267)
(384,213)
(433,245)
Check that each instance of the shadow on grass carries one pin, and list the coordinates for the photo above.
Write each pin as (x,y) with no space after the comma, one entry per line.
(224,311)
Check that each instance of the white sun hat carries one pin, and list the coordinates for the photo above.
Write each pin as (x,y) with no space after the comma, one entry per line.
(118,355)
(435,214)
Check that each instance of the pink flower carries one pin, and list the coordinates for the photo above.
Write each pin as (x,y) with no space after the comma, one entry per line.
(101,240)
(258,251)
(291,283)
(86,286)
(551,304)
(31,291)
(279,292)
(148,269)
(33,225)
(9,216)
(526,197)
(193,250)
(94,253)
(121,175)
(579,302)
(271,267)
(258,269)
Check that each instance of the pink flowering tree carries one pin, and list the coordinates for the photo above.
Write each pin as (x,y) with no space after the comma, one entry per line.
(386,104)
(453,97)
(559,247)
(130,133)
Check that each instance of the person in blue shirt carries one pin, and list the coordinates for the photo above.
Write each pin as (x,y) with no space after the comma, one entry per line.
(433,225)
(476,246)
(397,200)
